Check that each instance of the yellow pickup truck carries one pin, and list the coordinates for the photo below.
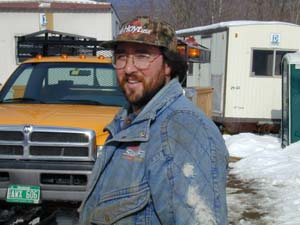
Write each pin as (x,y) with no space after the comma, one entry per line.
(52,114)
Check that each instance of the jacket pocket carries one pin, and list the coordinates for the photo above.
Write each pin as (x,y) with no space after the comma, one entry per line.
(116,205)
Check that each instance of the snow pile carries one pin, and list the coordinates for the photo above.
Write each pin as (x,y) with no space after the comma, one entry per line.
(276,173)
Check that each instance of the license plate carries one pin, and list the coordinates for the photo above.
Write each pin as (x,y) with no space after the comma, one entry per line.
(23,194)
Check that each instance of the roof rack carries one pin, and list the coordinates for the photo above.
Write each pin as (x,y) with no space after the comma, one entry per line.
(53,43)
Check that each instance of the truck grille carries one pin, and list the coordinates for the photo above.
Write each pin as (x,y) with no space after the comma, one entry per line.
(11,136)
(47,143)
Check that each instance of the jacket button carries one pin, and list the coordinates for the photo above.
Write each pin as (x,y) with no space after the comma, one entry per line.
(142,134)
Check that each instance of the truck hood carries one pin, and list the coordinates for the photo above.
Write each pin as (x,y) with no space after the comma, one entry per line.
(78,116)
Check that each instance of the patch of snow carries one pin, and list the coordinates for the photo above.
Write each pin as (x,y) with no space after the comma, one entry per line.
(276,173)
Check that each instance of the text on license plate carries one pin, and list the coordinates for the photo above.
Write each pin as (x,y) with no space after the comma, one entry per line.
(23,194)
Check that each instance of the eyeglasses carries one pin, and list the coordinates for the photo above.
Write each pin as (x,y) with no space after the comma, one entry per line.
(141,61)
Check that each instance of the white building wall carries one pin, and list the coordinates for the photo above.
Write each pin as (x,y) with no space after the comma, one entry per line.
(102,26)
(115,25)
(11,25)
(200,76)
(218,53)
(217,68)
(204,69)
(213,73)
(249,96)
(87,24)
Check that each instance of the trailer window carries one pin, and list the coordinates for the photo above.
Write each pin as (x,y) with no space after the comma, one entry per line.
(267,62)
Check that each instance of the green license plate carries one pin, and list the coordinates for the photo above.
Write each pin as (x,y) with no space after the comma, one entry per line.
(23,194)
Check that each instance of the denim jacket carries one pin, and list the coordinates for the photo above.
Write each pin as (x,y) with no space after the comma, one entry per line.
(168,167)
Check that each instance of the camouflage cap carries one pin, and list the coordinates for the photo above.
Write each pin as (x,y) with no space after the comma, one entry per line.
(146,30)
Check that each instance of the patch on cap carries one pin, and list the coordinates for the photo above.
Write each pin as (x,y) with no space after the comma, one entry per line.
(146,30)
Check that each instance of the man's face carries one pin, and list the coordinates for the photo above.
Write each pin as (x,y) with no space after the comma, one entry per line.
(139,82)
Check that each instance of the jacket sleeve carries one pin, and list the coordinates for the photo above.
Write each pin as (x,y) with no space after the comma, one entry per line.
(188,175)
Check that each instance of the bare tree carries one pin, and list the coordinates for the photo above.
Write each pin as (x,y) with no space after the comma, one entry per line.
(293,10)
(183,12)
(190,13)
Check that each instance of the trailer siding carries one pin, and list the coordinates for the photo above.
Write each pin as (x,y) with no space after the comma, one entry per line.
(239,95)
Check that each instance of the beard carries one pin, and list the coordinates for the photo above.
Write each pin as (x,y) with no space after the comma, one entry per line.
(139,100)
(147,96)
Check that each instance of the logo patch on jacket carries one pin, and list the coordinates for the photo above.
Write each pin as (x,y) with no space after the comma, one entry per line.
(134,153)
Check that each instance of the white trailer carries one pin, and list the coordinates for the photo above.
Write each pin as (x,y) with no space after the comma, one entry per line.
(80,17)
(244,69)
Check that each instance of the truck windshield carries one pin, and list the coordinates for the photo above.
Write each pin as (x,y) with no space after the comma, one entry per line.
(63,83)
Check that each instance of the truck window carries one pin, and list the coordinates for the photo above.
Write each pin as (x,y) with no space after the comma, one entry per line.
(106,77)
(57,74)
(65,83)
(17,91)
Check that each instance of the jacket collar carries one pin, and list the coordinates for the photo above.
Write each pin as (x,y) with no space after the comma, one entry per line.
(168,94)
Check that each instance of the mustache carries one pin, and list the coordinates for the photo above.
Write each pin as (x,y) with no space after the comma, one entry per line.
(133,75)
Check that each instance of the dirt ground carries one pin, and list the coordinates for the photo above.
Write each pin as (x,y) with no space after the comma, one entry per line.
(244,202)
